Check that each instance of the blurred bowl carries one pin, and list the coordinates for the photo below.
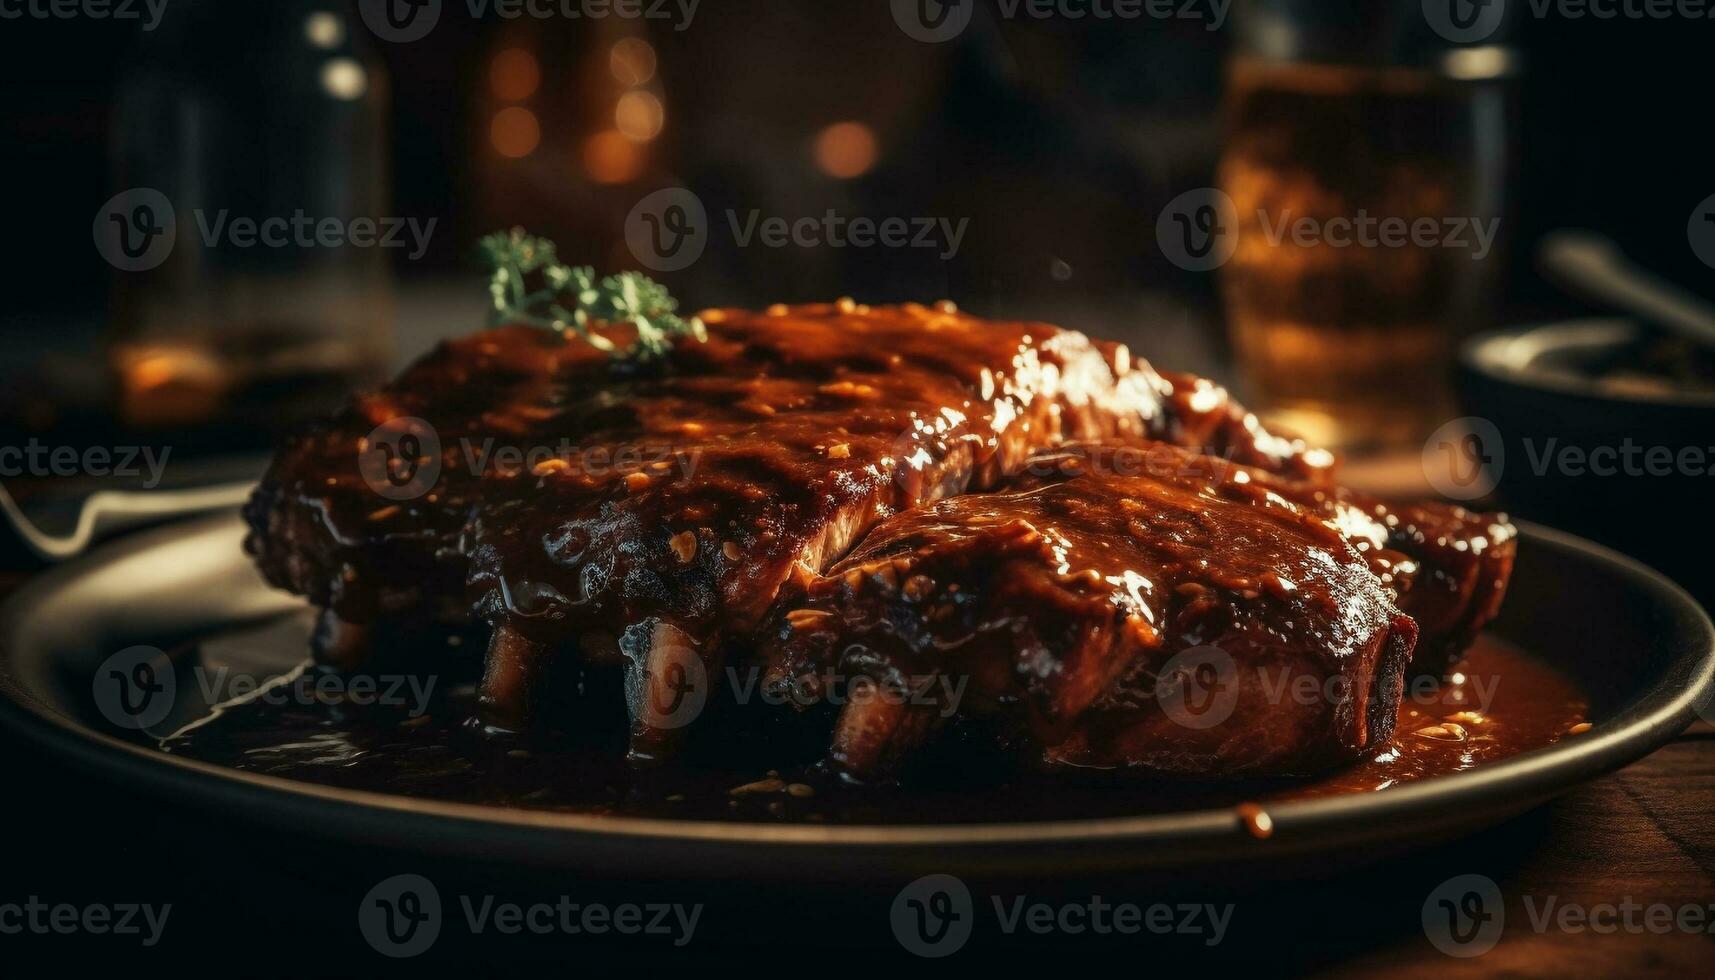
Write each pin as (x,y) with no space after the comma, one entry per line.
(1597,438)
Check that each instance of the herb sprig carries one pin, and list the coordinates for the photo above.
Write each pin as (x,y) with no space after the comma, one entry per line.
(571,300)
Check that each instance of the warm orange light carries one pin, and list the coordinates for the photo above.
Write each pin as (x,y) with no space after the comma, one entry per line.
(632,61)
(639,116)
(610,158)
(846,149)
(515,132)
(514,75)
(153,372)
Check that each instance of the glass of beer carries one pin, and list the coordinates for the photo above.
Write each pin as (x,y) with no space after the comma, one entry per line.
(1367,182)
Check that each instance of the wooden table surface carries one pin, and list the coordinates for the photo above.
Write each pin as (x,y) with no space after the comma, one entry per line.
(1646,833)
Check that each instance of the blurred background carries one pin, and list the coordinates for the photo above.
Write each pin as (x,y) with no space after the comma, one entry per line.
(1061,164)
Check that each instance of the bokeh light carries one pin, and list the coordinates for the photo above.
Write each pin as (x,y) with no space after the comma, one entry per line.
(344,79)
(639,116)
(515,132)
(610,158)
(324,30)
(846,149)
(632,61)
(514,75)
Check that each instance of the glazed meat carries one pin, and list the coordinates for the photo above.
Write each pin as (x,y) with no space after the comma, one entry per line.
(806,427)
(323,527)
(1447,567)
(1166,619)
(681,498)
(1462,562)
(803,429)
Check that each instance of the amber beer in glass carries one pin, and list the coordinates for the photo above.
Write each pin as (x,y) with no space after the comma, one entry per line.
(1345,330)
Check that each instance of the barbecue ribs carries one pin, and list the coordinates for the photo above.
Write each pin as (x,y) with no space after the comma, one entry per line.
(679,501)
(1099,573)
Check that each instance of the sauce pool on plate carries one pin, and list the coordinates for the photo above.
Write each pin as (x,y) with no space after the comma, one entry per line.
(1497,702)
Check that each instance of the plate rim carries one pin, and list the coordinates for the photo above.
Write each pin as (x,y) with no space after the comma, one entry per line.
(1639,727)
(1503,356)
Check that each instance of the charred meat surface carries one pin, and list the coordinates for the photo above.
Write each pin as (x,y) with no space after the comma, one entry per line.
(1107,617)
(1447,566)
(790,433)
(1463,561)
(387,543)
(591,508)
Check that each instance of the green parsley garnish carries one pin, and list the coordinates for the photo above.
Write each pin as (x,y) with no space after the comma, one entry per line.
(571,300)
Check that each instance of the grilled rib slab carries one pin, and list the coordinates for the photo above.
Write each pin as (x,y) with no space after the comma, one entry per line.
(678,500)
(322,527)
(1447,566)
(1077,606)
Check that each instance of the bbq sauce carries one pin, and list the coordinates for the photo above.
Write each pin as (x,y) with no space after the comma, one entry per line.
(763,765)
(595,511)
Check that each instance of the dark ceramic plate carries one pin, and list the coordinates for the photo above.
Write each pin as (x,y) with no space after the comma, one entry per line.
(1639,644)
